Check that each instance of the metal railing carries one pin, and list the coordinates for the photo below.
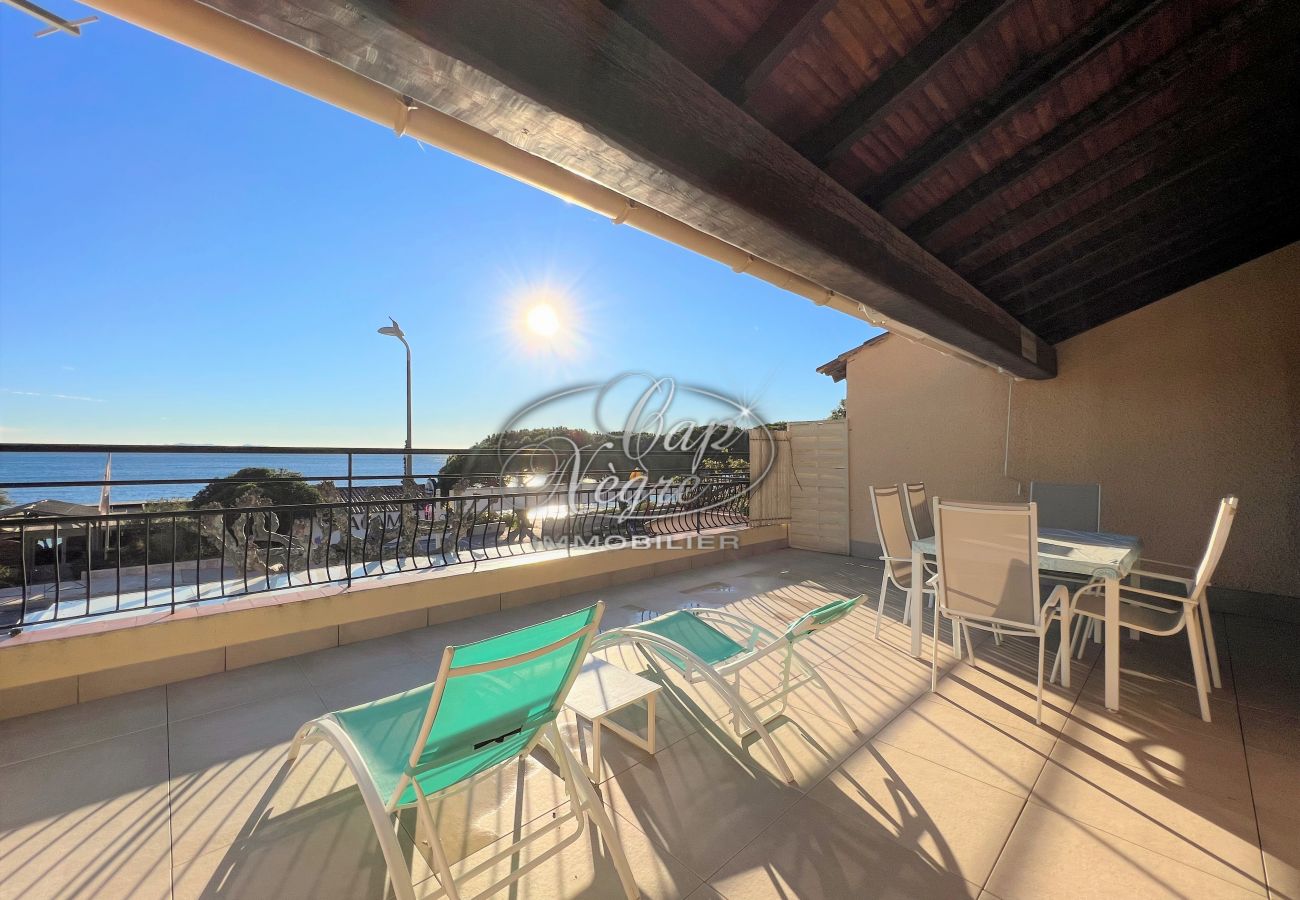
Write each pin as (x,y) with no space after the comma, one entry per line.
(56,568)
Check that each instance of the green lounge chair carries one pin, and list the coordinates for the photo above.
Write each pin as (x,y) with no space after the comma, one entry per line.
(709,645)
(492,702)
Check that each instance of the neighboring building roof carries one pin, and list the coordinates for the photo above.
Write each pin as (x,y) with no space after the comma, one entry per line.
(49,508)
(384,496)
(838,367)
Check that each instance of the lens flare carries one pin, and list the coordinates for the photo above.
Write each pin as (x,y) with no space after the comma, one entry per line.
(542,320)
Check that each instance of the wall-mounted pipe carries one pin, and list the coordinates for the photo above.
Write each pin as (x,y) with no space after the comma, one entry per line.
(224,37)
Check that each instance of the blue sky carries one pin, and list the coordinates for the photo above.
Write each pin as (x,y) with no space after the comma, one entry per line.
(190,253)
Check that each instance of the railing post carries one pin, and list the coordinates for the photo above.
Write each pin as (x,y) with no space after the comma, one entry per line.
(347,511)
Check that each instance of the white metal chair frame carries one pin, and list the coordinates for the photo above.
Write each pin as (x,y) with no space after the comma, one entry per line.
(584,802)
(759,643)
(888,576)
(1056,606)
(1190,611)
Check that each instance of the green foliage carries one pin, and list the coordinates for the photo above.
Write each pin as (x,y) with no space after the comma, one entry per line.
(226,491)
(487,458)
(4,499)
(495,449)
(841,411)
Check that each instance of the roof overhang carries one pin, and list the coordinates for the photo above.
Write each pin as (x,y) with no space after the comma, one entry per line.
(976,177)
(573,84)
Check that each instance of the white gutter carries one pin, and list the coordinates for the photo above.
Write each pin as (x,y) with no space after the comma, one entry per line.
(240,44)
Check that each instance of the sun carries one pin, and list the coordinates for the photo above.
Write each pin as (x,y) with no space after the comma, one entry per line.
(542,320)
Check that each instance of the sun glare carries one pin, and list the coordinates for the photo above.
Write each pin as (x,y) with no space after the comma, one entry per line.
(542,320)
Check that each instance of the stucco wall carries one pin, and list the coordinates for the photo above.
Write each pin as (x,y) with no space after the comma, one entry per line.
(1169,408)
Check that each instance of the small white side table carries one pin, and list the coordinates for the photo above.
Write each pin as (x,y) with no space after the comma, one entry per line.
(603,688)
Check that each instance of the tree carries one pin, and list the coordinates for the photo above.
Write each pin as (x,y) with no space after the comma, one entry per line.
(4,499)
(246,485)
(840,412)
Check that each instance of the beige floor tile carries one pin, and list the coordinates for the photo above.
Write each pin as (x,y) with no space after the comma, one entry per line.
(956,823)
(1003,756)
(1165,704)
(1170,759)
(1051,856)
(1280,839)
(704,892)
(375,684)
(343,664)
(198,696)
(90,821)
(1170,659)
(322,849)
(813,853)
(1275,779)
(582,869)
(812,746)
(225,766)
(1277,732)
(1006,698)
(498,802)
(875,684)
(1213,835)
(1265,664)
(84,723)
(702,799)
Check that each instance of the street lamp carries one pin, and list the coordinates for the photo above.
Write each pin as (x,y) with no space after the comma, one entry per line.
(395,330)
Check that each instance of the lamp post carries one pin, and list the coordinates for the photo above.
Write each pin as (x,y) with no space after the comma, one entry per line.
(395,330)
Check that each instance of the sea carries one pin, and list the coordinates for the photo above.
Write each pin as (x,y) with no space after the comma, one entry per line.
(188,471)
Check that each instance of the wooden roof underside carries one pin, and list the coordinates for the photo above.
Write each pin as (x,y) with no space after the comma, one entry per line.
(999,174)
(1072,159)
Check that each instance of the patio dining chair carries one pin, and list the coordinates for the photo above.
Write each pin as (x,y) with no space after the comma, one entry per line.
(1073,507)
(918,510)
(711,646)
(892,517)
(1164,613)
(492,702)
(988,578)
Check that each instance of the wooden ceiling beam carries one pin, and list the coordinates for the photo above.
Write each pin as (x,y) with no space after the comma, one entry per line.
(1179,61)
(966,25)
(574,84)
(1169,278)
(1022,89)
(781,32)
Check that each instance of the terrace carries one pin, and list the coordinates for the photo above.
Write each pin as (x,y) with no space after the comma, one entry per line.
(1076,223)
(182,791)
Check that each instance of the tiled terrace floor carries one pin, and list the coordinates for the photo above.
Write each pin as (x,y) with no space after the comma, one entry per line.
(180,791)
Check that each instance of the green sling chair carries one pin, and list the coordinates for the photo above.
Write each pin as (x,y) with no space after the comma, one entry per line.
(492,702)
(709,645)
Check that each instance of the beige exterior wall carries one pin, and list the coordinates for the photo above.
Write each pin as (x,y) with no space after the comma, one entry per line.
(1169,408)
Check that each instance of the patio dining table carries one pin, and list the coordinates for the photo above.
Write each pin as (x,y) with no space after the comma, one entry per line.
(1081,553)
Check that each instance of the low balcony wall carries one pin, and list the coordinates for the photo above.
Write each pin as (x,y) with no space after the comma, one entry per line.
(47,668)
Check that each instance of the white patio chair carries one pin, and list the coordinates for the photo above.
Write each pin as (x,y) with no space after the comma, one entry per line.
(918,511)
(892,518)
(988,578)
(1163,613)
(1072,507)
(710,646)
